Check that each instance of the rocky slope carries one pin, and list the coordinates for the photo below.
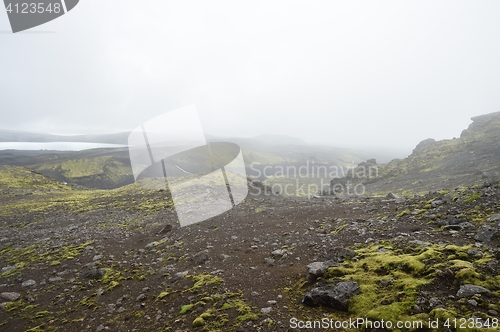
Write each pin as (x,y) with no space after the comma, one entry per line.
(74,260)
(472,158)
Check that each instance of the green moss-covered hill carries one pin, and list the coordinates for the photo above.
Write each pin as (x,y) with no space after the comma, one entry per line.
(110,168)
(96,168)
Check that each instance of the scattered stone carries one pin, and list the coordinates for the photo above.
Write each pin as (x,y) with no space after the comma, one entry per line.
(178,276)
(466,224)
(8,268)
(92,274)
(436,203)
(63,273)
(315,270)
(494,218)
(387,282)
(486,234)
(269,261)
(266,311)
(10,296)
(472,302)
(450,221)
(166,229)
(97,258)
(279,252)
(336,297)
(55,279)
(201,257)
(28,283)
(492,312)
(392,196)
(90,265)
(223,257)
(100,328)
(434,301)
(474,252)
(254,293)
(151,245)
(140,298)
(442,222)
(72,228)
(470,290)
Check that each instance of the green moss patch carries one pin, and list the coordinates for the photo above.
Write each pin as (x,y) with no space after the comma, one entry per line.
(23,257)
(391,280)
(388,279)
(221,310)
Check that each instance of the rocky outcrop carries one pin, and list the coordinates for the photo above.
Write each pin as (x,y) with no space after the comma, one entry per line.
(423,145)
(336,297)
(481,124)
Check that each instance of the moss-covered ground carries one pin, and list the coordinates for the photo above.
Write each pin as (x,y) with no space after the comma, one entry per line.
(243,270)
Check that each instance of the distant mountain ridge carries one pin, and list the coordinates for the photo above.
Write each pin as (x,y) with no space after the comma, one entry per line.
(110,167)
(472,158)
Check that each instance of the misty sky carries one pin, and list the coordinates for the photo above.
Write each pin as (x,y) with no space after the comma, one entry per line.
(344,73)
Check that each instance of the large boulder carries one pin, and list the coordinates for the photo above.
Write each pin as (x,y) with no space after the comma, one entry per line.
(201,257)
(336,297)
(487,233)
(93,274)
(470,290)
(10,296)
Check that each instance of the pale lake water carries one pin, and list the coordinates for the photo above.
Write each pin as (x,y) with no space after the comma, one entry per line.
(60,146)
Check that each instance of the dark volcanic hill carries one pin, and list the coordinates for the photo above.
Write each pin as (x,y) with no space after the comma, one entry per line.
(472,158)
